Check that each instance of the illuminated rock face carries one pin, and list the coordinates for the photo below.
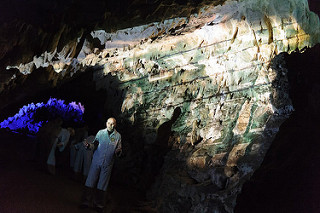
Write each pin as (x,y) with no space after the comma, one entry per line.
(229,80)
(223,69)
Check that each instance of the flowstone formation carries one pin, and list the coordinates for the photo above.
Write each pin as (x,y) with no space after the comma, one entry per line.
(208,93)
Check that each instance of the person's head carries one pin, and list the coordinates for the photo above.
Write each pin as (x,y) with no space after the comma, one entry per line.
(111,124)
(71,131)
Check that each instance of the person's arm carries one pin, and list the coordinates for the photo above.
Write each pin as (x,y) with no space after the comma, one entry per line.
(64,141)
(92,145)
(118,151)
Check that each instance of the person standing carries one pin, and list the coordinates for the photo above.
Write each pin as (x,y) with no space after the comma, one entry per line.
(80,135)
(83,158)
(107,143)
(46,137)
(58,147)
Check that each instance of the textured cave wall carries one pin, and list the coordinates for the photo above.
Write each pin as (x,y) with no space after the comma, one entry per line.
(230,84)
(199,98)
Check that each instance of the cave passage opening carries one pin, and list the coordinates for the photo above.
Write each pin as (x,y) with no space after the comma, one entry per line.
(287,180)
(135,172)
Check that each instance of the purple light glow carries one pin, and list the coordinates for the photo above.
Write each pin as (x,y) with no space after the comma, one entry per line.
(32,116)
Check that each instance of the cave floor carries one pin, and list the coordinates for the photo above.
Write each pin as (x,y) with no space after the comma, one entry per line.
(287,181)
(26,189)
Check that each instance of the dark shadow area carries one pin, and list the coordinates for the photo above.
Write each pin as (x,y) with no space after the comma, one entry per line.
(287,180)
(154,153)
(314,6)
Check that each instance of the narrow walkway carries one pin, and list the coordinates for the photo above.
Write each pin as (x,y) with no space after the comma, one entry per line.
(26,189)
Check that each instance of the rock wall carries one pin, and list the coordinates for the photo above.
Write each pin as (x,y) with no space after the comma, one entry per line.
(205,95)
(223,69)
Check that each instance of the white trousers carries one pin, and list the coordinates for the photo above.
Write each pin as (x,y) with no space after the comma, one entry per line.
(100,175)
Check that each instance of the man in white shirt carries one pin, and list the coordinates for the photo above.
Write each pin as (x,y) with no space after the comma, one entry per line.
(107,143)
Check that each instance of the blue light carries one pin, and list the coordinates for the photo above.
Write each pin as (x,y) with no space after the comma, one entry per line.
(32,116)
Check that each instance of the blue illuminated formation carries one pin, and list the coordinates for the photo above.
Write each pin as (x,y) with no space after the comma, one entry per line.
(31,117)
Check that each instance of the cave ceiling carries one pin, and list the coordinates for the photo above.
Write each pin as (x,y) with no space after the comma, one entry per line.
(31,28)
(58,29)
(56,22)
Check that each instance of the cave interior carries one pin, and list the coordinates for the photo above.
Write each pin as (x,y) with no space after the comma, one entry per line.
(286,181)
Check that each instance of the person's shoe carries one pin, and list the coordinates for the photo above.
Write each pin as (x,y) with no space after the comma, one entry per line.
(99,200)
(98,209)
(83,206)
(51,169)
(86,198)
